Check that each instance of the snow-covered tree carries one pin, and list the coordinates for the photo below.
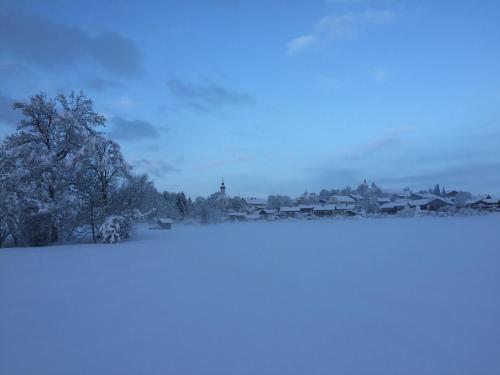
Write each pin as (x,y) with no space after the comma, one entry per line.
(362,189)
(277,201)
(182,204)
(461,199)
(104,184)
(58,173)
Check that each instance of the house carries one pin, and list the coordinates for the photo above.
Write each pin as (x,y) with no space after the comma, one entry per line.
(349,213)
(405,194)
(492,202)
(341,199)
(164,223)
(430,204)
(342,202)
(398,194)
(420,203)
(393,207)
(254,203)
(252,217)
(383,200)
(268,213)
(324,210)
(235,216)
(483,204)
(289,211)
(357,197)
(306,208)
(416,196)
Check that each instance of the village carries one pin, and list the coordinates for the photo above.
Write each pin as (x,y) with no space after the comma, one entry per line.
(372,204)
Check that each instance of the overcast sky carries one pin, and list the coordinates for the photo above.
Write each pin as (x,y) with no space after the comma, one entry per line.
(275,96)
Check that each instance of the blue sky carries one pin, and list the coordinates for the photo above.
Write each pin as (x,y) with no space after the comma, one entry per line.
(275,96)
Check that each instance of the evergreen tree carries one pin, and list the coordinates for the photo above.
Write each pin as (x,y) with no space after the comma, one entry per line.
(181,204)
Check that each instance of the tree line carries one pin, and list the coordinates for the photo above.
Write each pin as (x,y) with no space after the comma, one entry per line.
(62,178)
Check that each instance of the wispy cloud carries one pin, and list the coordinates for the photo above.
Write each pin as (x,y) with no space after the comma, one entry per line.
(389,140)
(100,84)
(124,102)
(124,129)
(157,168)
(234,157)
(380,74)
(303,43)
(339,26)
(331,83)
(206,96)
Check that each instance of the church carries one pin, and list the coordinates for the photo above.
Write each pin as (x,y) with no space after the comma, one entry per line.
(222,197)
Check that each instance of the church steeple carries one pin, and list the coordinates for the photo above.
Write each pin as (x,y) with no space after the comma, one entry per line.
(222,187)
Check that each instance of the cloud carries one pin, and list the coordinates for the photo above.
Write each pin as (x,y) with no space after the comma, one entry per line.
(99,84)
(380,74)
(124,102)
(339,26)
(338,176)
(157,168)
(133,129)
(43,43)
(302,43)
(390,140)
(460,176)
(207,96)
(234,157)
(7,113)
(331,83)
(382,144)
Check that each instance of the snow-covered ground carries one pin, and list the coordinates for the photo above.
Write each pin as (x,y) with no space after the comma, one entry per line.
(370,296)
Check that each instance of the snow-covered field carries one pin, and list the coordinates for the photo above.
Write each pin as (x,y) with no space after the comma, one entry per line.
(373,296)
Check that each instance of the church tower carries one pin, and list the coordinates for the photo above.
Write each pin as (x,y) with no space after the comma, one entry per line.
(222,187)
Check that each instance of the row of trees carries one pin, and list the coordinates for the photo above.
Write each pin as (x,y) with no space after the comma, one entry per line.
(61,178)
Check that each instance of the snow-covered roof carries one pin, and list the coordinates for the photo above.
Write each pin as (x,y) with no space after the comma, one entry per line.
(356,197)
(491,200)
(342,207)
(255,201)
(341,199)
(479,201)
(252,217)
(399,193)
(419,202)
(396,204)
(269,211)
(235,214)
(425,201)
(383,200)
(306,206)
(165,220)
(289,209)
(326,207)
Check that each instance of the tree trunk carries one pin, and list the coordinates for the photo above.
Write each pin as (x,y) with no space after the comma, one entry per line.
(92,224)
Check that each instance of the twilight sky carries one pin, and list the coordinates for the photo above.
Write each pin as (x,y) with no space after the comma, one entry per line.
(275,96)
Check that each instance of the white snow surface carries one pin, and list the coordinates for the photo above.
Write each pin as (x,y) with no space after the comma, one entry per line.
(363,296)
